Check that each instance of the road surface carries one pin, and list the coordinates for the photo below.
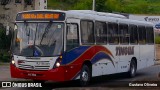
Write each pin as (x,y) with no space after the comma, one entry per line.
(110,82)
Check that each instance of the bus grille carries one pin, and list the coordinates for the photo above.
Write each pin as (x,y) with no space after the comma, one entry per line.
(34,65)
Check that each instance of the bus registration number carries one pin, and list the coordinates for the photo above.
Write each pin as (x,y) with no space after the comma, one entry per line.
(32,74)
(42,63)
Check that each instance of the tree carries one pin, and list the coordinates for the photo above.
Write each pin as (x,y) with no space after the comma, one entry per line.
(83,5)
(100,5)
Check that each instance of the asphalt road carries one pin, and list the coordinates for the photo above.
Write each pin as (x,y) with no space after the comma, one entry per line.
(110,82)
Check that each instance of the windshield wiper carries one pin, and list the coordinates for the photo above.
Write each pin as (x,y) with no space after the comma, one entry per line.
(28,35)
(27,31)
(45,32)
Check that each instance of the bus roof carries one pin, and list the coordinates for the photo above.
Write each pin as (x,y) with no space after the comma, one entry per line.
(106,17)
(99,16)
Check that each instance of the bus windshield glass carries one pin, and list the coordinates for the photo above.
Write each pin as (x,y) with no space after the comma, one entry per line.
(38,39)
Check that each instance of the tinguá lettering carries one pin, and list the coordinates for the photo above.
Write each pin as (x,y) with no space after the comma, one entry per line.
(121,51)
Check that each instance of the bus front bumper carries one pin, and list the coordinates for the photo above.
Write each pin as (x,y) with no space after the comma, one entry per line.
(56,74)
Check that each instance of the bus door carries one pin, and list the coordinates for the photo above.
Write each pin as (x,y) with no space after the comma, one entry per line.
(72,48)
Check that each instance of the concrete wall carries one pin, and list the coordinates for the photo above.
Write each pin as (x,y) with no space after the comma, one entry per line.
(41,4)
(9,11)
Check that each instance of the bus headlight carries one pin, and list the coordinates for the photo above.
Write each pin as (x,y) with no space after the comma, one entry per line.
(58,64)
(13,62)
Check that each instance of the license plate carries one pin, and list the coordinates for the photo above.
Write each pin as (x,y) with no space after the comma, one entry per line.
(43,64)
(32,74)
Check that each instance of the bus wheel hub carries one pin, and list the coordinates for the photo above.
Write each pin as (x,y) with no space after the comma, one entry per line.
(84,76)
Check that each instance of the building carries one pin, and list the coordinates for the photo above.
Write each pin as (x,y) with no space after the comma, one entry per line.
(9,9)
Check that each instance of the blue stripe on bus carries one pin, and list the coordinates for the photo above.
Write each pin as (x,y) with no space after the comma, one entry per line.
(73,54)
(101,55)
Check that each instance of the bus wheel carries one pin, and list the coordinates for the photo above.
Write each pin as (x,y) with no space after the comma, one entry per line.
(85,75)
(133,69)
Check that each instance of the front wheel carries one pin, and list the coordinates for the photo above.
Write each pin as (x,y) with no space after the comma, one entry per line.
(85,75)
(133,69)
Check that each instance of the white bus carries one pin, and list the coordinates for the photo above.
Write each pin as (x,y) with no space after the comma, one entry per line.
(79,44)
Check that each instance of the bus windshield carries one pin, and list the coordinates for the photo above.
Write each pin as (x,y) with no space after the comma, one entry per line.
(38,39)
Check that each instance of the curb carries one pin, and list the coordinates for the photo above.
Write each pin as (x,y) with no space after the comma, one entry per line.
(4,63)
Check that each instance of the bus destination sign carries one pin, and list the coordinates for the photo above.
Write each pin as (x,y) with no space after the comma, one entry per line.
(39,15)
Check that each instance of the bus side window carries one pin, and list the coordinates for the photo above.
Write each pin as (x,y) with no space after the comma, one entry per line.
(101,32)
(142,34)
(150,35)
(123,32)
(72,40)
(87,32)
(133,34)
(113,37)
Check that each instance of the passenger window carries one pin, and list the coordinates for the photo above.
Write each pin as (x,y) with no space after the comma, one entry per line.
(72,40)
(124,35)
(113,37)
(142,34)
(133,34)
(150,35)
(101,32)
(87,32)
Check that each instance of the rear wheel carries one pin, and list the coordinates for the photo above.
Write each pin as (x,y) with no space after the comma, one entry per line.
(85,75)
(133,69)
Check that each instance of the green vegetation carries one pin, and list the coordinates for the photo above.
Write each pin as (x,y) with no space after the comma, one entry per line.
(4,45)
(157,39)
(123,6)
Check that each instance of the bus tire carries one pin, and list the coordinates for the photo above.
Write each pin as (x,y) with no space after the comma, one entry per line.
(85,75)
(133,69)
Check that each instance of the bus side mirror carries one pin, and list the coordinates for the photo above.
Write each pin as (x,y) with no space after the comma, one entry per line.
(7,30)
